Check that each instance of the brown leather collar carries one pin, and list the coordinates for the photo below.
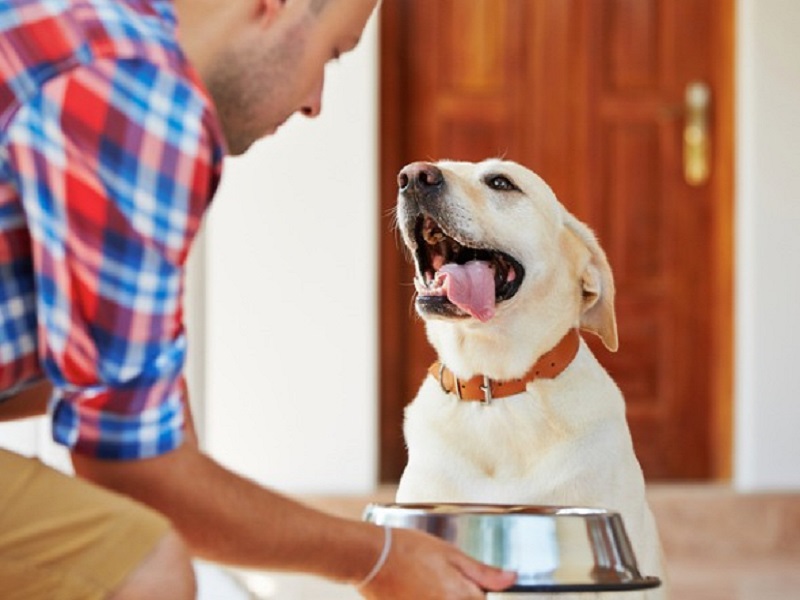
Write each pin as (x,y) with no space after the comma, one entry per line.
(550,365)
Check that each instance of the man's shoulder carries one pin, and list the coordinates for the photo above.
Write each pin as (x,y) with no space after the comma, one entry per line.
(41,39)
(127,29)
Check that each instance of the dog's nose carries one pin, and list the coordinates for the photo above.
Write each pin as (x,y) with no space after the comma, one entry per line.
(422,174)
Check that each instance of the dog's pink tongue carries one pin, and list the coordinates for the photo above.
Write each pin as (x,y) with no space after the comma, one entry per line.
(470,287)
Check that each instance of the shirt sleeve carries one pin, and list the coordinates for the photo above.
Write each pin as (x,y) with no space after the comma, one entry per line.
(115,165)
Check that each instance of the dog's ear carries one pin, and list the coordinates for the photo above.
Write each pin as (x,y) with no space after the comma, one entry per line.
(597,285)
(598,303)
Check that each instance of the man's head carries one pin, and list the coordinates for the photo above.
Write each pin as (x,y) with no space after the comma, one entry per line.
(264,60)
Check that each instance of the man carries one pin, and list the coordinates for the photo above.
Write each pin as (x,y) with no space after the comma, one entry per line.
(111,148)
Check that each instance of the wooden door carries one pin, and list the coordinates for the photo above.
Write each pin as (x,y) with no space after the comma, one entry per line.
(590,94)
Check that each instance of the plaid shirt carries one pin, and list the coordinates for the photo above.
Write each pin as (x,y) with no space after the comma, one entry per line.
(109,154)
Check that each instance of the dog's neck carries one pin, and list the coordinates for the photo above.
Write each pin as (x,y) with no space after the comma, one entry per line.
(480,387)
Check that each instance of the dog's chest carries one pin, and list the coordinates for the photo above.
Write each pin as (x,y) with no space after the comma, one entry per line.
(499,448)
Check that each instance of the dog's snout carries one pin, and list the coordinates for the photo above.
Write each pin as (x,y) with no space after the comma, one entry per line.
(423,175)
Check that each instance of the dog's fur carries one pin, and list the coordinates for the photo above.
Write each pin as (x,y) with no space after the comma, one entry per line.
(564,441)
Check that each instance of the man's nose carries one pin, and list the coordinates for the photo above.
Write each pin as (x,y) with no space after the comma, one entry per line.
(312,105)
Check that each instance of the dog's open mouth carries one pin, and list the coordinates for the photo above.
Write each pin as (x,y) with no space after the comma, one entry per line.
(458,280)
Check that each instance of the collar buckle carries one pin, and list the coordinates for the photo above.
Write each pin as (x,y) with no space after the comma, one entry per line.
(486,388)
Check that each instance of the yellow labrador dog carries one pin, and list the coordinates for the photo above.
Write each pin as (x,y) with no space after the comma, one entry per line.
(517,410)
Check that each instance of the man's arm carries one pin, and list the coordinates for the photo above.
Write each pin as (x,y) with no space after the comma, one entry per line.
(230,519)
(30,402)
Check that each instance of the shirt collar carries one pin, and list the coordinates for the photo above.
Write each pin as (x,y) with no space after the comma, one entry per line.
(165,10)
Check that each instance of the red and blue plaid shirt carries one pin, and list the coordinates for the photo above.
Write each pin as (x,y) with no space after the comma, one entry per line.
(110,152)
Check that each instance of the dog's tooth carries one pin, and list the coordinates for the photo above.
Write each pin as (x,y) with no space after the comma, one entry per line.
(434,236)
(429,284)
(512,274)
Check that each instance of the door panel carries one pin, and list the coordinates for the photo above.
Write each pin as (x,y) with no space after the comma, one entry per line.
(589,94)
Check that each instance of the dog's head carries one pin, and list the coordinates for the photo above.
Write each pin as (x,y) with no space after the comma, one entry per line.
(497,256)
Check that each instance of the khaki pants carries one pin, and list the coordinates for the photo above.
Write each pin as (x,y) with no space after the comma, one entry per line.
(62,538)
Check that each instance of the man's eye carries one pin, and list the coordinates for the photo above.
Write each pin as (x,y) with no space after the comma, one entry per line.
(501,183)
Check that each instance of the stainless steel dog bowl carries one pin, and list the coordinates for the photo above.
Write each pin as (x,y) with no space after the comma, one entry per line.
(552,549)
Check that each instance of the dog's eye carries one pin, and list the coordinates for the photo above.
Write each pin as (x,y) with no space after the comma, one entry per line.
(501,183)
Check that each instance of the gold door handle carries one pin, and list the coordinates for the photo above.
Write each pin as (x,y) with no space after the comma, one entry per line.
(696,142)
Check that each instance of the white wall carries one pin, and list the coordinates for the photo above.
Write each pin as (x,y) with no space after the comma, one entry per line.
(291,344)
(767,412)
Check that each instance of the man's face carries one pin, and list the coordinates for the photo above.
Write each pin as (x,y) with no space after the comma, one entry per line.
(268,74)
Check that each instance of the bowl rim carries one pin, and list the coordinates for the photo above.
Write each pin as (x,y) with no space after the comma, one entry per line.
(475,509)
(640,583)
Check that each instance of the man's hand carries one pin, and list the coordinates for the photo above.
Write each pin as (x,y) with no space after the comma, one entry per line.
(422,567)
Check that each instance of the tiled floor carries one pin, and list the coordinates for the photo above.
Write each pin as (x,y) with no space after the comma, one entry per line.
(719,546)
(773,579)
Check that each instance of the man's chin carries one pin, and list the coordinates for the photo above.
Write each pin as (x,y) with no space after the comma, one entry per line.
(239,146)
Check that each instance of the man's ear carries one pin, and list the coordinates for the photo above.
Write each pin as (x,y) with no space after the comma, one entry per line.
(597,287)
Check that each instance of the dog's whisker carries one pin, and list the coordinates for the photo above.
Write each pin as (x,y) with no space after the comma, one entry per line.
(411,307)
(392,214)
